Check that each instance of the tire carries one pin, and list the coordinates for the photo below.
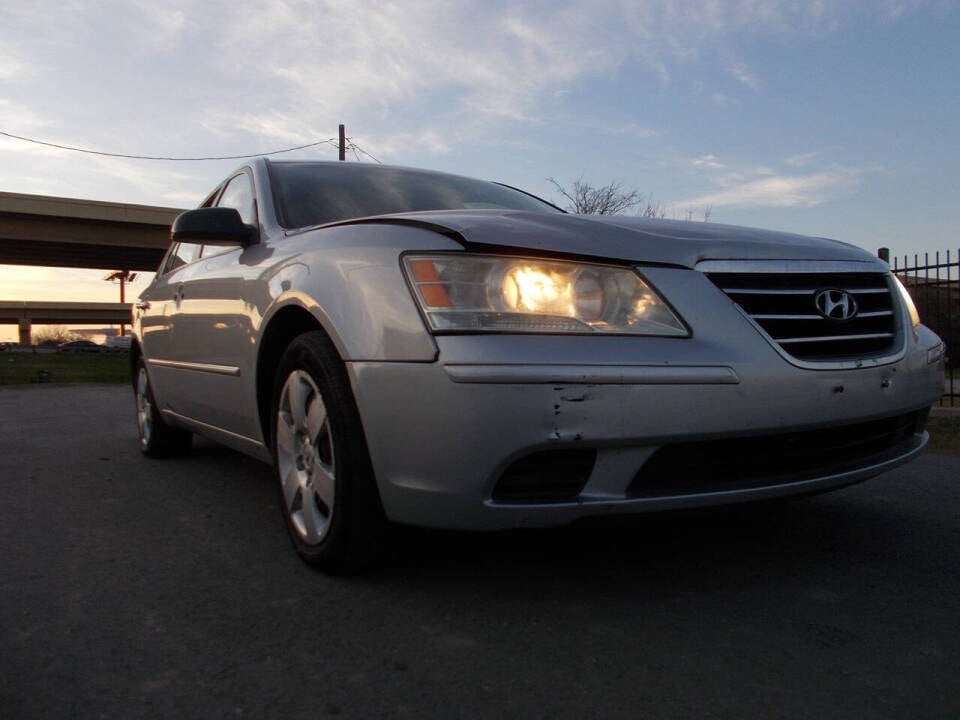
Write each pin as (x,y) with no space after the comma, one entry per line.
(157,439)
(325,481)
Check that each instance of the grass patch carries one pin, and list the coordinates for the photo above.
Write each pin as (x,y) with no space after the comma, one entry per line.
(22,368)
(944,435)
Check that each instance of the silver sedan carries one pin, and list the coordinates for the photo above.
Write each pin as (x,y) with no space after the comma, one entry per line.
(414,347)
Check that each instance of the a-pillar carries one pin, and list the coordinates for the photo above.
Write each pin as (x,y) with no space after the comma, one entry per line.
(25,332)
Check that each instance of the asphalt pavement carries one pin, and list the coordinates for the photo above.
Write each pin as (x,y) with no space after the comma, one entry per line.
(139,588)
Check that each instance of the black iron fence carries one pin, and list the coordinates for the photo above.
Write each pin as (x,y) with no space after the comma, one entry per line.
(934,285)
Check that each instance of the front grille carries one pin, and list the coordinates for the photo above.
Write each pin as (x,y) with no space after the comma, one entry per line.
(742,463)
(785,307)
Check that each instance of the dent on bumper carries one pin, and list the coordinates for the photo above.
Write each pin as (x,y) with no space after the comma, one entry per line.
(440,436)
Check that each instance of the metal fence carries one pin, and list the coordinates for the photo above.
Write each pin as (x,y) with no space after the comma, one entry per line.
(934,285)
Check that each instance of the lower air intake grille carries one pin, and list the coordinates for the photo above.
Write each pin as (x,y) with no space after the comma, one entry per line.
(818,317)
(547,476)
(740,463)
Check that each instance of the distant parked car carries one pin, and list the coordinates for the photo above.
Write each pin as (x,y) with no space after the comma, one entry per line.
(80,346)
(433,350)
(118,342)
(6,346)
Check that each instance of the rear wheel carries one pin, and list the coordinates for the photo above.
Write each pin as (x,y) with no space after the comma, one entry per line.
(157,439)
(327,490)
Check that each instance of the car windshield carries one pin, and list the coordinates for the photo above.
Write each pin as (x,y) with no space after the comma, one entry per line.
(318,193)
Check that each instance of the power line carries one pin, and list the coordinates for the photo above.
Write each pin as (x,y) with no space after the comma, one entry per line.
(356,147)
(329,141)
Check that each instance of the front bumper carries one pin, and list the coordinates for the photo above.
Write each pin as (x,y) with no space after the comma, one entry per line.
(439,446)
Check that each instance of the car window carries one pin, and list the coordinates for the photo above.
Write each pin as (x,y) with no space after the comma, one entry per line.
(180,255)
(239,194)
(312,194)
(210,198)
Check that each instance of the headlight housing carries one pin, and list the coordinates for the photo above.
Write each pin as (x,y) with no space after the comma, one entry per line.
(908,303)
(489,293)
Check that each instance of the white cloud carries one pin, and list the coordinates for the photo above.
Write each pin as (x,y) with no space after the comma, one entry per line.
(163,18)
(346,57)
(159,26)
(632,130)
(11,66)
(800,183)
(891,10)
(430,141)
(18,115)
(272,125)
(709,161)
(222,77)
(742,74)
(780,191)
(499,60)
(801,160)
(720,100)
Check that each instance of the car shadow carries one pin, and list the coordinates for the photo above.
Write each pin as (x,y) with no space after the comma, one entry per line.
(811,537)
(854,530)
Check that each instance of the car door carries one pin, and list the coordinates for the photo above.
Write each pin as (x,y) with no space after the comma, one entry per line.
(213,327)
(155,309)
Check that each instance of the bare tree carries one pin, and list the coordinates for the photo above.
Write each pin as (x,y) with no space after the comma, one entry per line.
(692,213)
(612,199)
(53,335)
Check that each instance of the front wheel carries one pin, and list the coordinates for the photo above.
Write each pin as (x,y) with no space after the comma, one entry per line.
(327,490)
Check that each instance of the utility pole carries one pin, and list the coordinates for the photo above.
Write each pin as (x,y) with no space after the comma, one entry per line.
(343,144)
(124,276)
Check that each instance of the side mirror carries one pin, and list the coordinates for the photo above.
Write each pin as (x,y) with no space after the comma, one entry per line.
(212,226)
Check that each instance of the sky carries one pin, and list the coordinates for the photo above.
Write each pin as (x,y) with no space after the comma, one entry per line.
(835,118)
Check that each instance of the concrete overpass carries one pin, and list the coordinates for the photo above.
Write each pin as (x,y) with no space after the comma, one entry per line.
(65,232)
(26,313)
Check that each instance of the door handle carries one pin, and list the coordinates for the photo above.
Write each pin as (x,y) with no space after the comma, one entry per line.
(178,297)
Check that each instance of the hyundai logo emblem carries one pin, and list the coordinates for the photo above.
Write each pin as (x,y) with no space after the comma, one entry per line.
(835,304)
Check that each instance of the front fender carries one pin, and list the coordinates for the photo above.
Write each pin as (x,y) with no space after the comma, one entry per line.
(349,279)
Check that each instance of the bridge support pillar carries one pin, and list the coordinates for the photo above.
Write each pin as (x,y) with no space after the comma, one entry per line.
(25,326)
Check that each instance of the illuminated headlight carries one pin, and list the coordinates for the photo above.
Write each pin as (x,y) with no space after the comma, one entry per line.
(482,293)
(908,303)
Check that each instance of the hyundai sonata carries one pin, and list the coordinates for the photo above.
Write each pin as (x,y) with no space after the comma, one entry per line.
(423,348)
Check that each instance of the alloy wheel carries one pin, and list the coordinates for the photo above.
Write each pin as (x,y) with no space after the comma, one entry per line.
(144,407)
(305,457)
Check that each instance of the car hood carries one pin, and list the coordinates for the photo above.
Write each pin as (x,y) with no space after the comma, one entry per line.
(615,237)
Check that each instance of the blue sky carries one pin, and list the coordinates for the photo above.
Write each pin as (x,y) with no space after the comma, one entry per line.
(829,117)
